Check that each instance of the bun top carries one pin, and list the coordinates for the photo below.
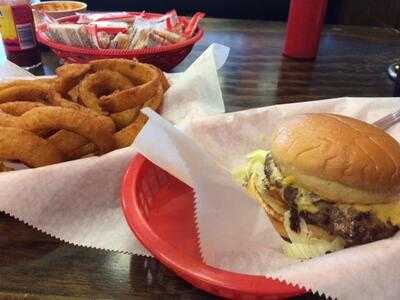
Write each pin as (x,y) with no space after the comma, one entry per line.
(338,149)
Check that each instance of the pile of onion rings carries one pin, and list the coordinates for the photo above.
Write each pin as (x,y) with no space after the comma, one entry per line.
(87,109)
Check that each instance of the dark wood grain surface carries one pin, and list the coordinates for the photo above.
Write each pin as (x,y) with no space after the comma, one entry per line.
(352,62)
(384,13)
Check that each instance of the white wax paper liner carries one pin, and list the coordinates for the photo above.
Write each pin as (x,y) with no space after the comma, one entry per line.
(234,233)
(78,201)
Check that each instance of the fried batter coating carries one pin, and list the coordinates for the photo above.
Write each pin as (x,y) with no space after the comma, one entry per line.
(27,147)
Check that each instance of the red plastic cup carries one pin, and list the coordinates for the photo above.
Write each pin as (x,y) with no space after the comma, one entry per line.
(303,32)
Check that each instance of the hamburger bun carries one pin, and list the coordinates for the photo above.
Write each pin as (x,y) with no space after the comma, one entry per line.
(341,159)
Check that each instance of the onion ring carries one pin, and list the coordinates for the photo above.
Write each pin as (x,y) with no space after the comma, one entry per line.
(74,93)
(101,83)
(30,149)
(123,118)
(138,73)
(85,150)
(126,136)
(69,75)
(32,92)
(44,83)
(7,120)
(96,128)
(18,108)
(164,81)
(127,99)
(145,76)
(56,99)
(137,95)
(120,65)
(67,142)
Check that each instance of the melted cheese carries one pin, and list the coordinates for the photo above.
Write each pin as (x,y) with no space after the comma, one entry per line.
(306,204)
(288,180)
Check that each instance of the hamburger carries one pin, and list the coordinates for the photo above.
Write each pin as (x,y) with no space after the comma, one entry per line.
(326,183)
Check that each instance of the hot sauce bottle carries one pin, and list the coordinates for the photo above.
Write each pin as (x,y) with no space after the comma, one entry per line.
(18,33)
(304,26)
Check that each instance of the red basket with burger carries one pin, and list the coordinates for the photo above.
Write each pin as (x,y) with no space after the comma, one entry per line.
(161,40)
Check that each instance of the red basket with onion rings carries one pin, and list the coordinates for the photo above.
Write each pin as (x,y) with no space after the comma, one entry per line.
(165,57)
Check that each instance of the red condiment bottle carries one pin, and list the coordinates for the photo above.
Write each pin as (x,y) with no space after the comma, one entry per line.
(18,33)
(304,26)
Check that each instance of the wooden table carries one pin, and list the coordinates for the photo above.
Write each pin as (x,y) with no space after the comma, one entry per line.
(352,62)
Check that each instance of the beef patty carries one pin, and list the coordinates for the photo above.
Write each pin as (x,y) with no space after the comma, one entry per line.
(353,226)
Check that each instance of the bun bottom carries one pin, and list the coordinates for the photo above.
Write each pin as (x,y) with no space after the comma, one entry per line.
(278,225)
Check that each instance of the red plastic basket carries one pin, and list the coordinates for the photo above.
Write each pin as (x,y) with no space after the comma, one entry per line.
(164,57)
(159,210)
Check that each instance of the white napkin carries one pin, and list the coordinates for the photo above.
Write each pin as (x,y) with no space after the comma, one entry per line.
(78,201)
(234,232)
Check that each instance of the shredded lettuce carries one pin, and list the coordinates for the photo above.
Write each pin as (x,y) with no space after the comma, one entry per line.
(253,171)
(303,245)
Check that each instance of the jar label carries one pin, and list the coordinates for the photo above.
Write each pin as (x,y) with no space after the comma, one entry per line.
(16,27)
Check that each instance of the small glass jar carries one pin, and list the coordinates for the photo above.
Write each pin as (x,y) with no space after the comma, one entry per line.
(18,33)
